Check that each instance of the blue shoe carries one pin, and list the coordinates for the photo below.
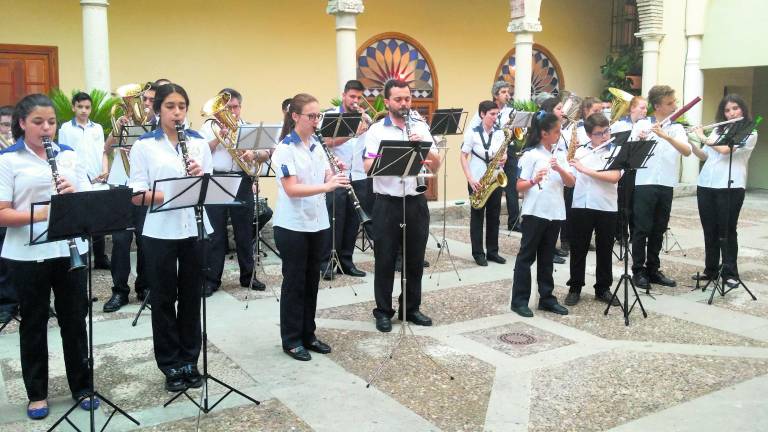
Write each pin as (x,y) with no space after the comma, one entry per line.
(37,413)
(85,404)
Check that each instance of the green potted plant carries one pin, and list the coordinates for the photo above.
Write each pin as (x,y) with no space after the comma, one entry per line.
(622,70)
(101,107)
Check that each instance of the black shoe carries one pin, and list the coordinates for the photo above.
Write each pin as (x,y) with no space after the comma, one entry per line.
(174,380)
(572,299)
(383,324)
(115,302)
(257,284)
(102,263)
(561,252)
(496,258)
(209,290)
(554,308)
(702,277)
(426,263)
(318,346)
(523,311)
(658,278)
(192,376)
(416,318)
(558,259)
(732,283)
(299,353)
(606,297)
(327,274)
(640,281)
(480,259)
(353,271)
(566,246)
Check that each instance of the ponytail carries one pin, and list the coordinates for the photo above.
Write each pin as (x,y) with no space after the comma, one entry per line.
(296,105)
(542,121)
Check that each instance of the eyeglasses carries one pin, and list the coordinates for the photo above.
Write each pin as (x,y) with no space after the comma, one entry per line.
(602,134)
(314,116)
(5,124)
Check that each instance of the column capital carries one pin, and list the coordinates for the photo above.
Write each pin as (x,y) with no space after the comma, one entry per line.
(650,36)
(524,16)
(345,7)
(103,3)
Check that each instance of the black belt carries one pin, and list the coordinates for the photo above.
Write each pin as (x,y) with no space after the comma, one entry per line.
(397,198)
(229,172)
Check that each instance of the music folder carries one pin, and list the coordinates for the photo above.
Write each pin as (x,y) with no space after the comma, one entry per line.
(257,136)
(340,124)
(186,192)
(446,121)
(399,158)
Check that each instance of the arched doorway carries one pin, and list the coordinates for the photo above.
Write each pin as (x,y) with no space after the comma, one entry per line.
(546,74)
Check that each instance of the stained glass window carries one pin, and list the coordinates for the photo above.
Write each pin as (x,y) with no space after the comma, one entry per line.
(394,58)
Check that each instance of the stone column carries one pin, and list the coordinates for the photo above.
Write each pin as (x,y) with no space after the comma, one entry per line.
(346,12)
(694,78)
(650,15)
(96,44)
(524,22)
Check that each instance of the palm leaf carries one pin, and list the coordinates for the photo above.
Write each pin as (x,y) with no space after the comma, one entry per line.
(102,103)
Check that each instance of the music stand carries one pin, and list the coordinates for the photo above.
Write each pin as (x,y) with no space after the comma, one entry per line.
(628,156)
(401,159)
(618,138)
(86,214)
(197,192)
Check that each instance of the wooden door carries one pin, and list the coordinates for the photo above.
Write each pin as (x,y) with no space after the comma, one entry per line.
(27,69)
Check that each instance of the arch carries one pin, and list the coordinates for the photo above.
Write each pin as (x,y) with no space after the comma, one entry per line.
(546,72)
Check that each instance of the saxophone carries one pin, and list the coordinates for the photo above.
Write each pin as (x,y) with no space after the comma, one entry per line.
(491,180)
(573,144)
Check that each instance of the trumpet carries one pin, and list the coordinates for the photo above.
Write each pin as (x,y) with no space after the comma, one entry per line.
(364,218)
(421,181)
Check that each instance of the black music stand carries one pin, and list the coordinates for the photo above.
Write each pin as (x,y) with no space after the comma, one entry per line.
(628,156)
(402,159)
(624,198)
(86,214)
(197,192)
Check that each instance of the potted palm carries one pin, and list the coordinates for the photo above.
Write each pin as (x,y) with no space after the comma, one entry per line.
(623,71)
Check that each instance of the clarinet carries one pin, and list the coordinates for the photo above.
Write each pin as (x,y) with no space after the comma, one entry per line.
(182,136)
(364,219)
(75,261)
(421,182)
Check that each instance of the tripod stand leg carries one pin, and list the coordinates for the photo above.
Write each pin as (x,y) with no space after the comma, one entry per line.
(395,347)
(424,353)
(141,308)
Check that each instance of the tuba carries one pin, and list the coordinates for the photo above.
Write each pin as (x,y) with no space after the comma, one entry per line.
(132,108)
(5,142)
(221,117)
(620,104)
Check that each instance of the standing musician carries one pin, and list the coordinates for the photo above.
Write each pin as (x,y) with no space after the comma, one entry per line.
(718,212)
(171,250)
(653,189)
(301,223)
(542,175)
(241,216)
(388,211)
(9,300)
(477,151)
(554,105)
(350,152)
(594,209)
(26,177)
(6,136)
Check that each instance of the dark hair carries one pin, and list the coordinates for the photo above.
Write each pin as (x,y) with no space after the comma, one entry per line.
(587,103)
(394,83)
(284,105)
(152,87)
(24,107)
(81,96)
(296,106)
(738,100)
(595,120)
(232,92)
(353,85)
(164,91)
(6,110)
(549,104)
(486,106)
(659,92)
(542,122)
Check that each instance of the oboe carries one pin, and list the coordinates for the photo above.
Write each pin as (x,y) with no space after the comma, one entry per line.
(75,261)
(421,182)
(364,219)
(182,136)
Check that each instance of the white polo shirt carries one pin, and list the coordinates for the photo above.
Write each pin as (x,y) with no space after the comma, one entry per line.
(547,202)
(154,157)
(663,167)
(309,165)
(351,152)
(383,130)
(714,173)
(501,119)
(565,135)
(26,178)
(482,146)
(589,192)
(88,143)
(222,160)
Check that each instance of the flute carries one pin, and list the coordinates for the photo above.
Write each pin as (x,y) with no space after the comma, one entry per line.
(713,125)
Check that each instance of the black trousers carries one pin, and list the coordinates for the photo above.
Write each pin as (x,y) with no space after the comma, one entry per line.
(242,227)
(175,297)
(121,255)
(510,169)
(346,226)
(9,298)
(388,236)
(625,191)
(583,223)
(364,191)
(719,218)
(490,214)
(35,281)
(537,244)
(300,253)
(651,208)
(99,247)
(565,233)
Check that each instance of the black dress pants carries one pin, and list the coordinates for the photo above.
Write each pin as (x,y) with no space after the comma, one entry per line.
(35,281)
(537,244)
(565,233)
(9,298)
(489,213)
(300,253)
(651,208)
(345,230)
(174,274)
(121,255)
(583,223)
(510,169)
(388,237)
(242,227)
(719,218)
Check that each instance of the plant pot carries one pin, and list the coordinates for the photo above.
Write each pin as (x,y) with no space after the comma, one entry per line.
(635,81)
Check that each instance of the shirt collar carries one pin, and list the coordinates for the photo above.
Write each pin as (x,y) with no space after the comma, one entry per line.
(76,124)
(294,138)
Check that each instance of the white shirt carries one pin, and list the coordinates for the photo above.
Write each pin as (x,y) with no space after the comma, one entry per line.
(309,165)
(25,178)
(222,160)
(547,202)
(663,167)
(88,143)
(589,192)
(386,130)
(475,145)
(351,152)
(566,133)
(501,119)
(714,173)
(154,157)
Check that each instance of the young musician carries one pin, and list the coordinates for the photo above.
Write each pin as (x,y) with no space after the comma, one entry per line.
(542,175)
(594,209)
(479,148)
(9,300)
(301,223)
(653,188)
(719,212)
(171,249)
(388,211)
(350,152)
(6,136)
(26,177)
(554,105)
